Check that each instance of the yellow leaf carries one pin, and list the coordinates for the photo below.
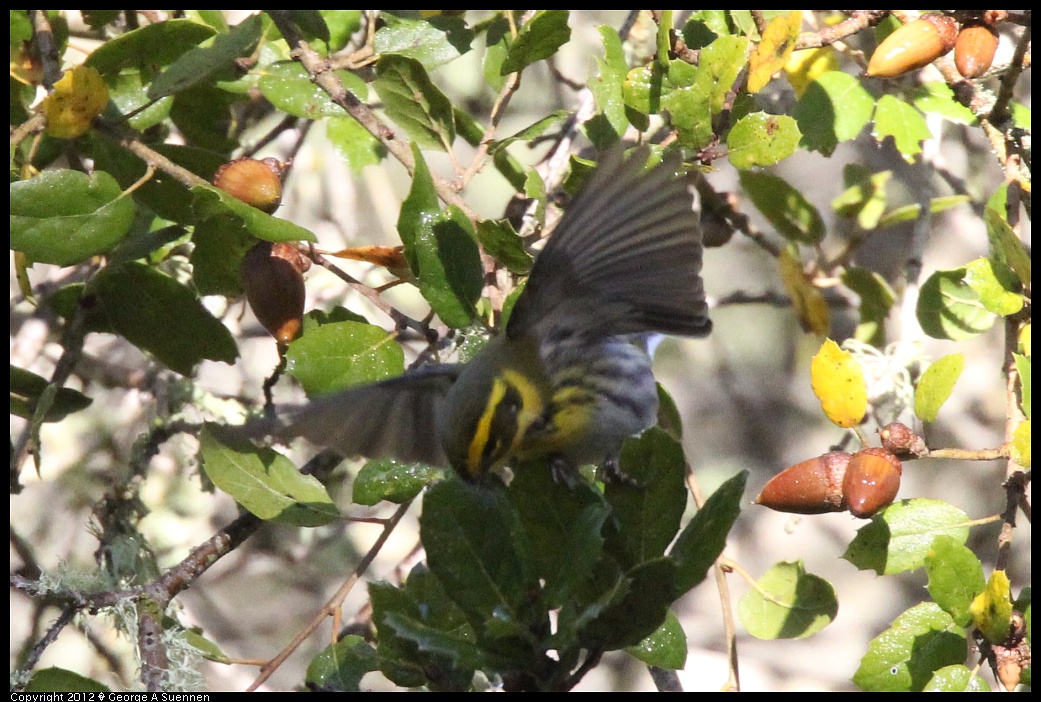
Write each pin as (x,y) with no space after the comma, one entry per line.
(808,65)
(991,610)
(1024,339)
(810,306)
(774,50)
(1020,448)
(78,97)
(838,382)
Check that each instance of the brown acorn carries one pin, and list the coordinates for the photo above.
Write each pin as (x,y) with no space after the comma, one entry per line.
(272,276)
(900,440)
(974,51)
(810,487)
(871,482)
(913,45)
(257,183)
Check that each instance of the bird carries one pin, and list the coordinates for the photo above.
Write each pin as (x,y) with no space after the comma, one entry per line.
(569,378)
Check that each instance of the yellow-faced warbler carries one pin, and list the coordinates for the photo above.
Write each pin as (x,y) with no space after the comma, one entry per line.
(569,379)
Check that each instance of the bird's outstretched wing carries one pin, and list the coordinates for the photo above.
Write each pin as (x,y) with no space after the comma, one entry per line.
(625,258)
(395,418)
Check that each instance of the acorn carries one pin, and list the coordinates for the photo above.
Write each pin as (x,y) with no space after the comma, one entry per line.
(871,482)
(810,487)
(272,276)
(900,440)
(257,183)
(974,50)
(913,45)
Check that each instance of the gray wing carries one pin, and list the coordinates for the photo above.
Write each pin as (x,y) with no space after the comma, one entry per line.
(625,258)
(396,418)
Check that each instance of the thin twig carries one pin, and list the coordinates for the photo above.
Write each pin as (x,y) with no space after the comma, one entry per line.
(726,605)
(332,607)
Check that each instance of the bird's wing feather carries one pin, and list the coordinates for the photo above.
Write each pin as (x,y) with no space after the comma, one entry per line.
(396,418)
(625,258)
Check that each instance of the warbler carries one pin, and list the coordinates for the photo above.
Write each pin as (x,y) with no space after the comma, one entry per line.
(569,379)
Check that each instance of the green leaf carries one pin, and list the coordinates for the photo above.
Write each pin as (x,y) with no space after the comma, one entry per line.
(1005,246)
(565,528)
(864,197)
(65,217)
(434,41)
(955,577)
(995,285)
(607,126)
(956,678)
(343,354)
(263,481)
(1023,369)
(647,511)
(355,144)
(156,313)
(391,480)
(638,610)
(214,202)
(787,209)
(289,88)
(539,39)
(220,243)
(26,389)
(899,538)
(311,23)
(60,680)
(150,47)
(762,139)
(341,666)
(532,131)
(949,309)
(423,635)
(876,299)
(665,648)
(788,603)
(478,550)
(201,62)
(441,249)
(904,658)
(128,95)
(895,118)
(415,104)
(936,385)
(162,194)
(834,109)
(502,242)
(692,106)
(643,88)
(436,646)
(938,99)
(704,537)
(909,213)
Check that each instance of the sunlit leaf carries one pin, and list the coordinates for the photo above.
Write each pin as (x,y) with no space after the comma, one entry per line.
(936,385)
(838,381)
(788,603)
(902,659)
(906,125)
(79,97)
(991,610)
(773,52)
